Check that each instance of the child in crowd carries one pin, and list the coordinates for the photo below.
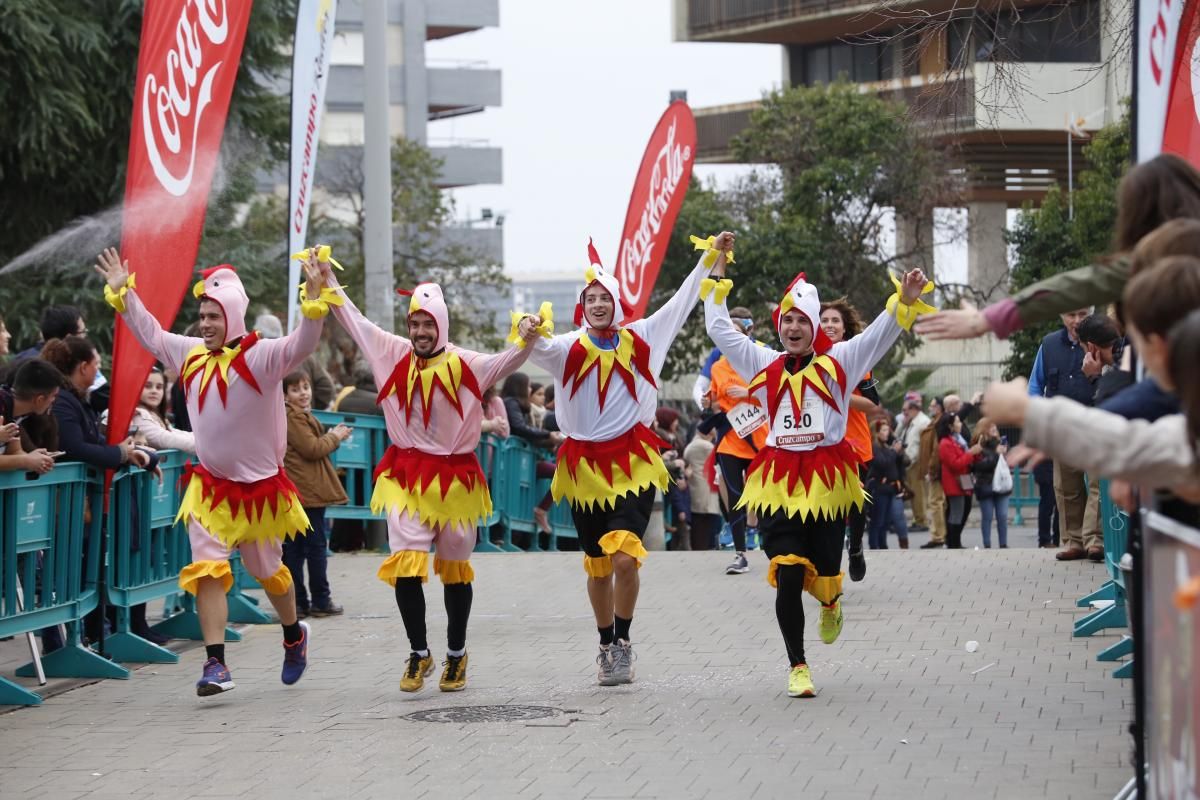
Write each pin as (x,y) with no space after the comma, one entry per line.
(308,465)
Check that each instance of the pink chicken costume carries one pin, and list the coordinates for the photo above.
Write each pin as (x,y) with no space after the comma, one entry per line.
(429,482)
(238,496)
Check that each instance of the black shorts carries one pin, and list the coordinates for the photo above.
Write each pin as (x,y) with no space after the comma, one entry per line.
(819,540)
(631,513)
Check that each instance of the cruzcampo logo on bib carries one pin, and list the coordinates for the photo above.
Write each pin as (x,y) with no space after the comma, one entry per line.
(807,427)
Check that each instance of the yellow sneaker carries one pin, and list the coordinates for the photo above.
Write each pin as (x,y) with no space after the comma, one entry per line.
(800,682)
(416,671)
(454,676)
(830,626)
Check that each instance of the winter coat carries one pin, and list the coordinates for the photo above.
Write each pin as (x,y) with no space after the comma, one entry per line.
(307,460)
(955,461)
(984,470)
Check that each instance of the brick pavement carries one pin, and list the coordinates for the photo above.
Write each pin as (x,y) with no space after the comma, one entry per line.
(903,710)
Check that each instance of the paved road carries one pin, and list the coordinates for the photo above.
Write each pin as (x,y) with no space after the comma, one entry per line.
(903,711)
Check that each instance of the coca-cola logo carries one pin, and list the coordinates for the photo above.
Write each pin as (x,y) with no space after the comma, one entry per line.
(1159,40)
(172,106)
(637,250)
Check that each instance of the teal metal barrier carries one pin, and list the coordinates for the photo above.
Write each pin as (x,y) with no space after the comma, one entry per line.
(488,453)
(1025,494)
(146,551)
(49,568)
(355,460)
(1115,524)
(516,489)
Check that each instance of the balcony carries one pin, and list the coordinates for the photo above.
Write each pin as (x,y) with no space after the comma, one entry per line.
(467,162)
(452,17)
(1005,156)
(442,17)
(461,88)
(778,21)
(345,91)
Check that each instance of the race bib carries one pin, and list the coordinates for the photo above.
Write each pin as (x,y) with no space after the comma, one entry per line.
(808,427)
(746,418)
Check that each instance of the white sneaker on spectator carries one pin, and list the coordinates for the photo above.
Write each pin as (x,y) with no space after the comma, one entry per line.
(739,565)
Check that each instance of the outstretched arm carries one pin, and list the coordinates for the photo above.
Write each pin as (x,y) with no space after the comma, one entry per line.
(287,354)
(660,328)
(1096,284)
(490,368)
(746,357)
(119,291)
(864,351)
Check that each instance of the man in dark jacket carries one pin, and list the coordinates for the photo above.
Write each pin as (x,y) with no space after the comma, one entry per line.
(1058,371)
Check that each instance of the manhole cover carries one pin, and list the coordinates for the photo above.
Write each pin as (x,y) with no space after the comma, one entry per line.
(505,713)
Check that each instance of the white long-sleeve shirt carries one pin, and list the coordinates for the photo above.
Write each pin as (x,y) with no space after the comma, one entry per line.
(856,356)
(577,407)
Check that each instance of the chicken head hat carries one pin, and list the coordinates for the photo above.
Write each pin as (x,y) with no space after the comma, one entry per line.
(222,286)
(596,275)
(428,298)
(802,296)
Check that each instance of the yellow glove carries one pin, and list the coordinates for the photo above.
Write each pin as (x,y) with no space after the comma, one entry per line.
(906,314)
(545,330)
(117,299)
(710,244)
(319,307)
(323,254)
(719,289)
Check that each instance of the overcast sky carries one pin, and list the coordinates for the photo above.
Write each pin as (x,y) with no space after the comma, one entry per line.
(583,86)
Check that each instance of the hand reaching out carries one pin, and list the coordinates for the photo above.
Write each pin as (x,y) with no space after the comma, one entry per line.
(113,270)
(342,432)
(966,322)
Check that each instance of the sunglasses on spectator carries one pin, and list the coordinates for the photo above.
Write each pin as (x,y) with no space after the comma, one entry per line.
(746,324)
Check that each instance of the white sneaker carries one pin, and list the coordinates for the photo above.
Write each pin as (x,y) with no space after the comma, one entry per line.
(605,661)
(739,565)
(622,662)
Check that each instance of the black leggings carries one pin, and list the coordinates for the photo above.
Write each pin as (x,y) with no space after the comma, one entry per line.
(733,475)
(857,518)
(820,541)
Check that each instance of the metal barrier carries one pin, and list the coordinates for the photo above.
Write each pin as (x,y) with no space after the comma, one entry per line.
(1172,652)
(1110,596)
(1025,495)
(355,460)
(49,569)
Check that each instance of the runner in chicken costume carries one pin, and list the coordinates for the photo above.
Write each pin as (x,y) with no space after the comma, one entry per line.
(803,483)
(609,468)
(238,497)
(429,482)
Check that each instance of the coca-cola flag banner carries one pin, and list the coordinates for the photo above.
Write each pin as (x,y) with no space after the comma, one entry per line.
(1158,27)
(658,192)
(1181,133)
(187,63)
(310,73)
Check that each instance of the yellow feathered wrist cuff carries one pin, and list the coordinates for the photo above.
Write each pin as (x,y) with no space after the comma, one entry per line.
(905,313)
(117,299)
(718,289)
(318,308)
(545,330)
(323,254)
(710,244)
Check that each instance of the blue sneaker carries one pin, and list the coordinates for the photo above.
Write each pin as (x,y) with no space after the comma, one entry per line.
(295,657)
(216,679)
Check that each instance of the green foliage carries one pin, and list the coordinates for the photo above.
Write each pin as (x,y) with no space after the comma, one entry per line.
(1047,241)
(69,70)
(844,159)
